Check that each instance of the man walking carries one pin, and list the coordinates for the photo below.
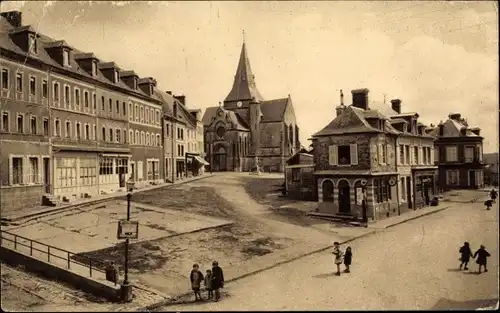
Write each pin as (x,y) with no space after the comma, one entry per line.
(217,279)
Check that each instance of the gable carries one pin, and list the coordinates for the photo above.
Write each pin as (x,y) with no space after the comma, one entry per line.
(349,121)
(214,115)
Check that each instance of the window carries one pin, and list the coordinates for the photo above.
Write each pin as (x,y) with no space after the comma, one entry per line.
(19,82)
(77,97)
(452,177)
(147,139)
(182,150)
(149,169)
(424,155)
(151,117)
(86,99)
(68,129)
(20,123)
(45,126)
(87,132)
(94,68)
(157,117)
(118,135)
(57,128)
(102,103)
(33,171)
(5,78)
(117,107)
(403,188)
(158,141)
(143,141)
(415,155)
(33,125)
(17,171)
(401,154)
(167,130)
(45,89)
(111,134)
(382,189)
(116,77)
(94,133)
(94,101)
(142,114)
(451,154)
(32,86)
(66,172)
(66,57)
(382,153)
(296,175)
(407,154)
(124,136)
(32,45)
(103,134)
(106,166)
(78,131)
(136,112)
(124,108)
(110,105)
(137,138)
(146,117)
(344,155)
(130,112)
(5,122)
(67,96)
(469,154)
(88,171)
(131,136)
(56,91)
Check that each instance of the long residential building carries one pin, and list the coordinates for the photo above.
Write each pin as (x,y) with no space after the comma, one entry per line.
(74,126)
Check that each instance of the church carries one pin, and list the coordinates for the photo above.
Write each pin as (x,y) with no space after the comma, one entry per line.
(247,132)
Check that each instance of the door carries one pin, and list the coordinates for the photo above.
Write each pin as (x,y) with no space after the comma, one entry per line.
(46,174)
(408,193)
(132,171)
(220,159)
(121,176)
(425,190)
(472,178)
(344,198)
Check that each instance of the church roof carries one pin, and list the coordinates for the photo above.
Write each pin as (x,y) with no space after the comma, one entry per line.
(211,113)
(274,110)
(244,87)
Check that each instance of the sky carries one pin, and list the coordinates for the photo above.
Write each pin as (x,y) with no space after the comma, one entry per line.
(438,57)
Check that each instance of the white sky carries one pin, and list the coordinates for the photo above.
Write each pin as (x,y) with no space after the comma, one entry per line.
(438,57)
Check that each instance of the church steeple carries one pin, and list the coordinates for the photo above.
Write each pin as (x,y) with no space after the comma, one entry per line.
(244,87)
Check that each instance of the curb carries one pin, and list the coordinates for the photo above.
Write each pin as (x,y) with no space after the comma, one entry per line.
(53,211)
(415,217)
(172,301)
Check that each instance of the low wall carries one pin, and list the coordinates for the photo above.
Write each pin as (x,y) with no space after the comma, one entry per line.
(87,284)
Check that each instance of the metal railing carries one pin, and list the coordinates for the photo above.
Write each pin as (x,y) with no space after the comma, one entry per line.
(49,253)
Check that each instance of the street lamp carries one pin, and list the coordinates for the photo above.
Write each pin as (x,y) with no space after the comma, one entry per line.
(126,288)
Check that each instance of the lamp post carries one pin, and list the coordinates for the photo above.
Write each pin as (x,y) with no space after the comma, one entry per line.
(126,288)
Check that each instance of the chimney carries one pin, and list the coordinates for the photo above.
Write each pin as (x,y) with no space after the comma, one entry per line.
(181,99)
(169,92)
(396,105)
(340,109)
(455,116)
(13,17)
(360,98)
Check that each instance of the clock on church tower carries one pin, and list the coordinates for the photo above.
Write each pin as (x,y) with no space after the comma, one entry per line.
(239,104)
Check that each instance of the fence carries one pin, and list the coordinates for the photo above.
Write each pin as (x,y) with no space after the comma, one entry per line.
(88,266)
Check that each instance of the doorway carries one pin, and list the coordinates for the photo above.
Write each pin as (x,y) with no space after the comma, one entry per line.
(132,171)
(344,197)
(408,193)
(220,159)
(46,174)
(472,178)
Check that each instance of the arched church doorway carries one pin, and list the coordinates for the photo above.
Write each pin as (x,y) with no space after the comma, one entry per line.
(220,159)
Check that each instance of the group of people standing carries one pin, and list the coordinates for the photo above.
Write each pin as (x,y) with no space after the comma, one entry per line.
(493,197)
(466,253)
(213,281)
(342,257)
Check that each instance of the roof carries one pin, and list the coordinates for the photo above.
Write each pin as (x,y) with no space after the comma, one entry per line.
(244,87)
(452,128)
(212,112)
(490,158)
(42,55)
(169,101)
(353,120)
(274,110)
(398,121)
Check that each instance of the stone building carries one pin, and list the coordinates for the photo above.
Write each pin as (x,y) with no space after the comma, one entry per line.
(246,127)
(458,153)
(300,183)
(358,165)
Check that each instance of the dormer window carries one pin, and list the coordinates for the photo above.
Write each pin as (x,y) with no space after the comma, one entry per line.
(150,89)
(116,77)
(135,83)
(66,57)
(94,68)
(32,44)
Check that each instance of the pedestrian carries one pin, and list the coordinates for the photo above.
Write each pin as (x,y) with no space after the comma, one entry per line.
(347,259)
(482,254)
(217,279)
(493,195)
(488,204)
(196,279)
(208,284)
(465,255)
(337,253)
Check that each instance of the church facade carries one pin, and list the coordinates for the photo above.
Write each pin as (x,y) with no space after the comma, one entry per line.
(246,130)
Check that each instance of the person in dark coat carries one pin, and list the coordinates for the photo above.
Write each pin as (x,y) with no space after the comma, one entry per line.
(196,278)
(217,279)
(347,259)
(488,204)
(482,254)
(465,255)
(493,195)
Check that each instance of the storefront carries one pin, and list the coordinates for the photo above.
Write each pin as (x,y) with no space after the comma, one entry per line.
(424,186)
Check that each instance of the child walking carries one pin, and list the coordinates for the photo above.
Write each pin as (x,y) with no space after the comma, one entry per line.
(347,259)
(196,279)
(337,253)
(465,255)
(208,284)
(482,254)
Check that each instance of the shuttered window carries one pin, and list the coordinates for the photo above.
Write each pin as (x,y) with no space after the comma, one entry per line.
(354,154)
(343,155)
(333,155)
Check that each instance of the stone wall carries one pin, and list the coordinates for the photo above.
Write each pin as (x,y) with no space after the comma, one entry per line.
(17,198)
(321,155)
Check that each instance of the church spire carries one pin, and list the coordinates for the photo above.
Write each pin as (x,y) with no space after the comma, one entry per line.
(244,87)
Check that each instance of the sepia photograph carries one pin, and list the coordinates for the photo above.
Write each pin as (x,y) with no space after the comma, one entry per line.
(249,155)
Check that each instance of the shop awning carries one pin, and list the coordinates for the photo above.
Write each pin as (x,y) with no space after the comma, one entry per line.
(200,160)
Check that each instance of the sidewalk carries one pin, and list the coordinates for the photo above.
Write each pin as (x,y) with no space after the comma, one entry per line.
(43,210)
